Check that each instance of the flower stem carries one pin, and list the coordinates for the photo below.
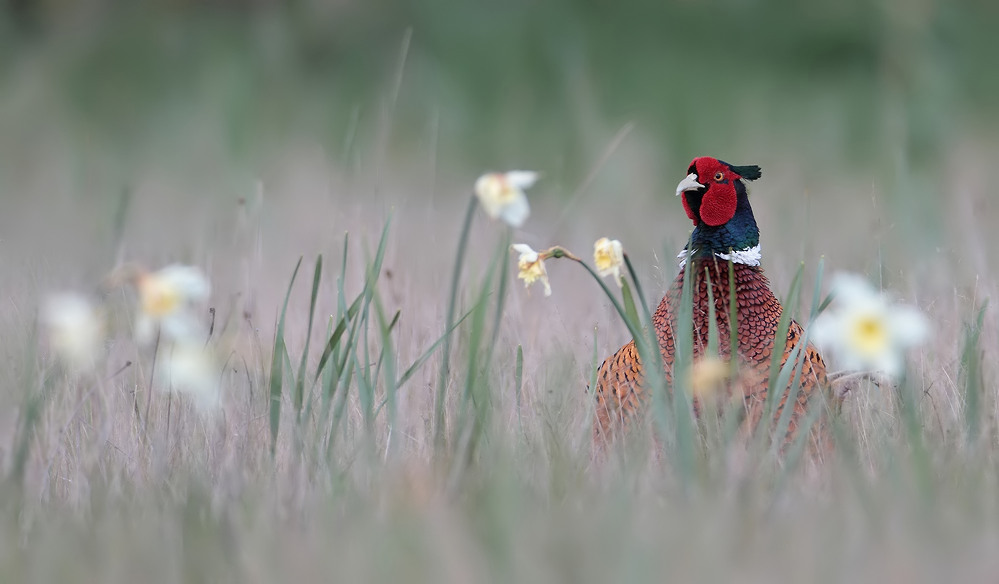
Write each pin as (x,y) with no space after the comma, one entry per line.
(558,252)
(445,370)
(500,298)
(638,286)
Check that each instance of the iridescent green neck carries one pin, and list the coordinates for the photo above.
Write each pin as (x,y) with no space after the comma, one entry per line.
(739,234)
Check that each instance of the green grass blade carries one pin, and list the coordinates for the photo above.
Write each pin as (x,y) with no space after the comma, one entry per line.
(794,453)
(371,280)
(475,340)
(518,385)
(340,407)
(712,322)
(444,374)
(793,366)
(334,339)
(629,304)
(365,393)
(775,391)
(798,359)
(300,378)
(388,358)
(412,369)
(34,402)
(327,383)
(817,302)
(783,325)
(504,275)
(825,303)
(277,365)
(656,373)
(343,262)
(684,430)
(638,287)
(971,375)
(473,408)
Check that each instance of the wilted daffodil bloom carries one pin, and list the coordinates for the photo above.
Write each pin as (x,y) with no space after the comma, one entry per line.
(165,301)
(75,329)
(190,369)
(502,195)
(608,257)
(531,266)
(865,330)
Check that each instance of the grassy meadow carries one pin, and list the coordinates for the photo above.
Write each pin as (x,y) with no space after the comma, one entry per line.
(344,139)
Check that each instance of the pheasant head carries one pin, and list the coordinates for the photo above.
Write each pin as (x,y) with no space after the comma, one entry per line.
(715,198)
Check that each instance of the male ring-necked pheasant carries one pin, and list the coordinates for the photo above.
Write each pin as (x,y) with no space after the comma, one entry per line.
(725,232)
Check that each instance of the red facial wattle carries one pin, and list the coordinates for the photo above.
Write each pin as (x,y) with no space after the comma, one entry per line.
(718,204)
(719,201)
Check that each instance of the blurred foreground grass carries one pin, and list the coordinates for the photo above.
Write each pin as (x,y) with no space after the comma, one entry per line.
(244,138)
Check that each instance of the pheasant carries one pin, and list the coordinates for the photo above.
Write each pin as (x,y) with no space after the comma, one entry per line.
(725,233)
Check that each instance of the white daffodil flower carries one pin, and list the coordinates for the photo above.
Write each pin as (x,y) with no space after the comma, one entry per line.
(190,369)
(608,257)
(75,330)
(165,301)
(502,195)
(531,267)
(866,331)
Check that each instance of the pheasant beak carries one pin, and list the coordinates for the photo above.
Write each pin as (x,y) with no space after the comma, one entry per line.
(688,184)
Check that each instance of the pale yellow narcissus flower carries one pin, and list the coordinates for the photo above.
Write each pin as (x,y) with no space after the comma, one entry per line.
(531,267)
(864,330)
(502,195)
(707,376)
(608,257)
(190,369)
(165,301)
(75,330)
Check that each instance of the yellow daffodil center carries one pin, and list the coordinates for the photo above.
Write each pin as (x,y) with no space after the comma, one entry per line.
(158,299)
(608,257)
(604,258)
(869,334)
(530,271)
(707,375)
(496,189)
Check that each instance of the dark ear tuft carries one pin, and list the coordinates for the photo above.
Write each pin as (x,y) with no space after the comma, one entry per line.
(750,172)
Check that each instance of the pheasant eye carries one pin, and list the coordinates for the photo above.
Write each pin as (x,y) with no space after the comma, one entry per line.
(719,176)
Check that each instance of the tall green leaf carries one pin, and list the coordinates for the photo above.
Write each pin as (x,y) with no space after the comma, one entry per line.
(277,365)
(300,379)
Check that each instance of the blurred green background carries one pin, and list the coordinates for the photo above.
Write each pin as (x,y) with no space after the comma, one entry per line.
(853,83)
(874,102)
(882,115)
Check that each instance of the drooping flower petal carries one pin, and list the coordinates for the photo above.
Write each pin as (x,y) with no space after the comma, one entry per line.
(531,267)
(522,179)
(608,257)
